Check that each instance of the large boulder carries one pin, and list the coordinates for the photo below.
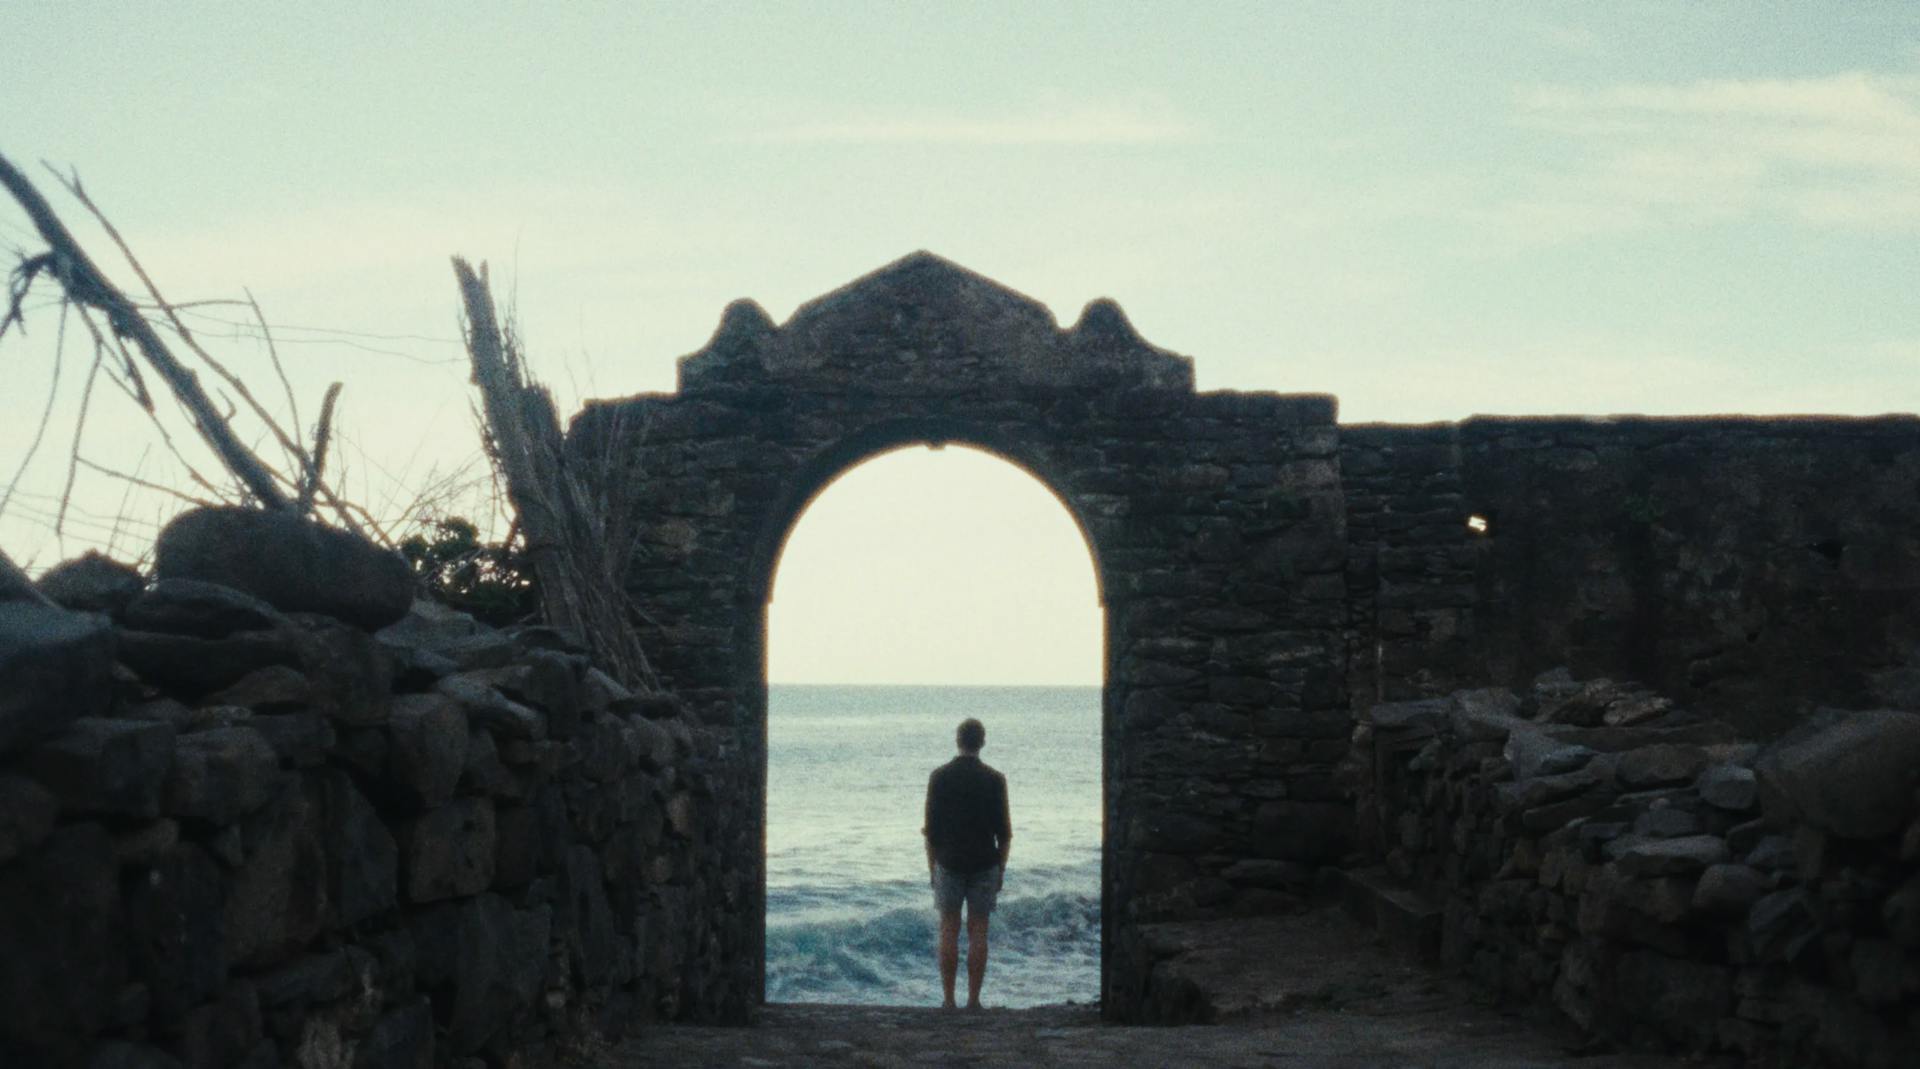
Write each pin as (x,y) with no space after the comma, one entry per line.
(91,583)
(292,563)
(1853,776)
(55,667)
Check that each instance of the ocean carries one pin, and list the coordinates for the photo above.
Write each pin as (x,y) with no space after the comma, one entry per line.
(850,915)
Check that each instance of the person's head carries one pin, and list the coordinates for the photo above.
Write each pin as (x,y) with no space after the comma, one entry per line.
(971,736)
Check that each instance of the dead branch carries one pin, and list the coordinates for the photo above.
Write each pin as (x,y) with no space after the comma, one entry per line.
(279,370)
(134,480)
(578,569)
(46,414)
(235,382)
(73,455)
(322,433)
(85,284)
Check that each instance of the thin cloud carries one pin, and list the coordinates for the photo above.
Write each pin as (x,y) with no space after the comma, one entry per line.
(1839,150)
(1138,123)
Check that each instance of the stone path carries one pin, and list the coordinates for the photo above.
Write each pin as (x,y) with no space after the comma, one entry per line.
(1306,992)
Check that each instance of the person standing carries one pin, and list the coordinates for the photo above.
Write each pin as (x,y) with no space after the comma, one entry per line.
(969,833)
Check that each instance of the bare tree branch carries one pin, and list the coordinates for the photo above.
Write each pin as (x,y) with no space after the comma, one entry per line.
(578,569)
(85,284)
(322,434)
(46,414)
(134,480)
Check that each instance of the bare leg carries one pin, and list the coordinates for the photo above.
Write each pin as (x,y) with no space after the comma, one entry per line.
(976,955)
(949,954)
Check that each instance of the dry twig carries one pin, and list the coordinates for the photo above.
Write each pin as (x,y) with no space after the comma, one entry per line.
(579,559)
(85,284)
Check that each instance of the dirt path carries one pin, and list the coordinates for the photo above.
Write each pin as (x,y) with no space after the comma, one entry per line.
(1298,993)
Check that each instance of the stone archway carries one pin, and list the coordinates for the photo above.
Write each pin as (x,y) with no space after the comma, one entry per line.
(1215,521)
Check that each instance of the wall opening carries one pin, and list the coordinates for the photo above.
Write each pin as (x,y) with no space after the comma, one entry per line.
(921,587)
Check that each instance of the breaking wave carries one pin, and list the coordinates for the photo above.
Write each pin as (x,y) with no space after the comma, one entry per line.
(1045,949)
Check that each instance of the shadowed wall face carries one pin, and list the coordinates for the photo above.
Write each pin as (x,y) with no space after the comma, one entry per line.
(1748,567)
(1215,522)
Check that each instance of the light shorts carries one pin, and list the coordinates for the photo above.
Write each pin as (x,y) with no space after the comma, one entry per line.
(977,889)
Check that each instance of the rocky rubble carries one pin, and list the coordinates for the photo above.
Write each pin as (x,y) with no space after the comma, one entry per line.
(1656,880)
(236,832)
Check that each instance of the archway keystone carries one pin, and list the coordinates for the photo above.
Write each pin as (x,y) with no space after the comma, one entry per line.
(1215,521)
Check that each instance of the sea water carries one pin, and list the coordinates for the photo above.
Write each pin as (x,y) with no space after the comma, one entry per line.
(850,915)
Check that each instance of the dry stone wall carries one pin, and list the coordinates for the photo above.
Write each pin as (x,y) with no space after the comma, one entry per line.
(232,835)
(1645,874)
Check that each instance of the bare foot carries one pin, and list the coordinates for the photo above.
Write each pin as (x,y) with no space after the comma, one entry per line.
(974,1006)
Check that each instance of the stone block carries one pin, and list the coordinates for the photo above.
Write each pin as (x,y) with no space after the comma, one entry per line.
(490,709)
(62,949)
(1781,925)
(585,921)
(351,674)
(1901,913)
(103,765)
(274,689)
(1668,822)
(278,898)
(1683,856)
(1853,776)
(298,739)
(1659,766)
(144,845)
(1532,754)
(222,774)
(428,750)
(402,1039)
(1730,787)
(449,851)
(321,977)
(27,815)
(1729,889)
(363,869)
(91,583)
(56,666)
(517,847)
(200,609)
(176,911)
(485,773)
(189,667)
(289,561)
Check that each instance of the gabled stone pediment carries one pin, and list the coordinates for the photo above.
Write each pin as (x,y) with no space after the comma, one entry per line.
(926,324)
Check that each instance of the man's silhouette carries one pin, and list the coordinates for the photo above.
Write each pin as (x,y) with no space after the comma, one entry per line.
(968,835)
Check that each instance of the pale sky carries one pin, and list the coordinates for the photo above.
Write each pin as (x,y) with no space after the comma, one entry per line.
(1431,210)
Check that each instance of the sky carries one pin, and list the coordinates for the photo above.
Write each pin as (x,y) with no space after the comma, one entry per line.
(1430,210)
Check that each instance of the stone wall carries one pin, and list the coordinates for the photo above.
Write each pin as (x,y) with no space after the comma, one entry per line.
(1755,566)
(1215,521)
(1411,563)
(1589,848)
(232,835)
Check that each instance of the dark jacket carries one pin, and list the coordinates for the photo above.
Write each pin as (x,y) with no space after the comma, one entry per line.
(967,819)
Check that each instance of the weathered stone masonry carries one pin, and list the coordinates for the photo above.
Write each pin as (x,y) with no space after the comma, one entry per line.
(237,835)
(1215,521)
(1751,567)
(1267,575)
(252,833)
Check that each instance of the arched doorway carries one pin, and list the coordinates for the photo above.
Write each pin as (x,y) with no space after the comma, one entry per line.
(1215,521)
(920,587)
